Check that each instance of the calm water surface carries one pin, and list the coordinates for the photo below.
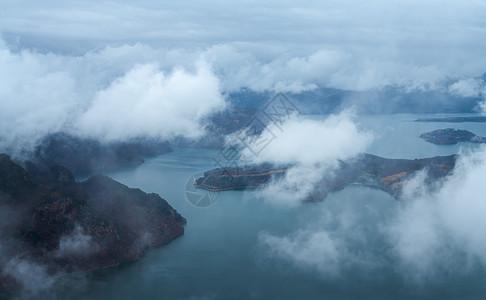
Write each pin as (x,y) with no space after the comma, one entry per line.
(220,255)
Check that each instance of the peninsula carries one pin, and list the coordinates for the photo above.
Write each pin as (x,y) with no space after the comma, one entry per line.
(389,175)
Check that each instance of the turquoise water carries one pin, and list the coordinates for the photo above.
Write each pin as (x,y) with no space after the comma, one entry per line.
(221,255)
(396,136)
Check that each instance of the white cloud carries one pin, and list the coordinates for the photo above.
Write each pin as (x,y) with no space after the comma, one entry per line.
(339,241)
(313,148)
(467,87)
(307,141)
(428,236)
(338,68)
(482,107)
(285,46)
(98,44)
(147,103)
(433,230)
(35,98)
(111,94)
(77,243)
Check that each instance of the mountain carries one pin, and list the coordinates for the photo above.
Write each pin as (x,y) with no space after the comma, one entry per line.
(49,219)
(376,101)
(85,154)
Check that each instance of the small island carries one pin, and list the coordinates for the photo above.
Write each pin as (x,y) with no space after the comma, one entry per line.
(451,136)
(389,175)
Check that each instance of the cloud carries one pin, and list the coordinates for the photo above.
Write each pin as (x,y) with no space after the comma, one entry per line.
(429,237)
(241,68)
(33,277)
(64,63)
(471,87)
(147,103)
(310,249)
(468,87)
(285,46)
(77,243)
(326,67)
(443,229)
(312,147)
(37,282)
(35,97)
(309,141)
(341,241)
(113,95)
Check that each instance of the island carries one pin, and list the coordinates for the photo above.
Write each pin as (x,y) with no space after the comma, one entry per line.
(451,136)
(389,175)
(48,219)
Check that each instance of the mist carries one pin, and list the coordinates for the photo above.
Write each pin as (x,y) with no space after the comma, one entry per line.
(116,71)
(77,243)
(312,148)
(92,76)
(46,93)
(428,237)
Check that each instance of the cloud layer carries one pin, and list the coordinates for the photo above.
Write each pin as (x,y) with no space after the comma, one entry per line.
(111,95)
(443,230)
(71,65)
(288,46)
(147,103)
(312,147)
(428,237)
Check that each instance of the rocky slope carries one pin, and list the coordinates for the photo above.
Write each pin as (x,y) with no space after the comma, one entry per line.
(49,220)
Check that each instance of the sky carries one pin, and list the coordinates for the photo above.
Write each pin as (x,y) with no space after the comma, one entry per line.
(118,70)
(64,63)
(370,43)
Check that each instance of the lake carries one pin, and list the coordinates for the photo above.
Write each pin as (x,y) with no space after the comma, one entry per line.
(222,254)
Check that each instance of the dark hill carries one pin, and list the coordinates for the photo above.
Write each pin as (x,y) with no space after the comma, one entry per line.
(84,154)
(69,226)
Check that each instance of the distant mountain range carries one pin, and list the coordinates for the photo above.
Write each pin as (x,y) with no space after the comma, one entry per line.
(85,154)
(379,101)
